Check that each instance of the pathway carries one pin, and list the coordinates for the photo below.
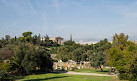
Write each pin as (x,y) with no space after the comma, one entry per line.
(81,73)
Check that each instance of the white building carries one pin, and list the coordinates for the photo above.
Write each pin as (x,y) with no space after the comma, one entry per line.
(89,42)
(59,40)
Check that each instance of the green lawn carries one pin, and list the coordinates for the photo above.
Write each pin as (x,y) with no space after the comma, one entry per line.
(65,77)
(105,71)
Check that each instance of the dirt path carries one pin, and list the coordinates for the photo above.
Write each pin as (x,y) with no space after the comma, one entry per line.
(81,73)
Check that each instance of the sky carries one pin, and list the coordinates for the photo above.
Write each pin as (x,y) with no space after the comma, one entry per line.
(87,20)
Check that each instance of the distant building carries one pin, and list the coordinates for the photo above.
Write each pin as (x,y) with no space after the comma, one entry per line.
(59,40)
(84,43)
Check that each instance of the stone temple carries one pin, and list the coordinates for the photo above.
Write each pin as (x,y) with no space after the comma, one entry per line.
(59,40)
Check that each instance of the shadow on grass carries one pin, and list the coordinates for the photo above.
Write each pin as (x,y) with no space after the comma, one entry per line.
(46,78)
(39,73)
(54,72)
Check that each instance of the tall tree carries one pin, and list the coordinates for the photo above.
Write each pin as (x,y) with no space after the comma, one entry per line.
(123,56)
(7,37)
(98,54)
(29,57)
(27,36)
(77,55)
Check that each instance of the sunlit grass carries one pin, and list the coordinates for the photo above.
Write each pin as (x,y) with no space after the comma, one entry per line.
(105,71)
(65,77)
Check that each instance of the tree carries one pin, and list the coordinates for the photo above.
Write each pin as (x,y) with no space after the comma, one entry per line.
(123,56)
(97,56)
(5,66)
(2,75)
(5,54)
(45,62)
(25,54)
(27,36)
(3,42)
(120,40)
(29,57)
(35,39)
(48,43)
(7,37)
(62,53)
(69,42)
(77,55)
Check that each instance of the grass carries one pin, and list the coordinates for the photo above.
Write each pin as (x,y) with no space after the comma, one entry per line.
(105,71)
(64,77)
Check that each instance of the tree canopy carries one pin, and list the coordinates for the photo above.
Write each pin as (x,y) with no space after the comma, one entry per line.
(123,56)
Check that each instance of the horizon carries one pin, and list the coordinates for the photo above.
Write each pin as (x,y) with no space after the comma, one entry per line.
(86,20)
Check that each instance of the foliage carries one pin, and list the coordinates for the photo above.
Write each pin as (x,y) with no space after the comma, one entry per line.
(44,61)
(26,54)
(29,57)
(123,56)
(62,53)
(75,52)
(53,50)
(27,34)
(2,75)
(5,54)
(48,43)
(5,67)
(78,55)
(7,37)
(97,56)
(3,42)
(69,42)
(95,53)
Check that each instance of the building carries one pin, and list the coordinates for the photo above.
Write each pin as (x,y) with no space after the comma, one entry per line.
(59,40)
(84,43)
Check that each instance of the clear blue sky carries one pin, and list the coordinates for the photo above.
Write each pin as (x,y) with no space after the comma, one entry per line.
(85,19)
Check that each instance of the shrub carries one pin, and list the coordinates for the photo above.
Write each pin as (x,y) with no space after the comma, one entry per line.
(5,67)
(123,76)
(55,60)
(133,77)
(29,57)
(2,75)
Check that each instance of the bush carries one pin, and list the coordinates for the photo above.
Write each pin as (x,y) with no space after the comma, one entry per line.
(29,57)
(2,75)
(123,76)
(133,77)
(55,60)
(5,67)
